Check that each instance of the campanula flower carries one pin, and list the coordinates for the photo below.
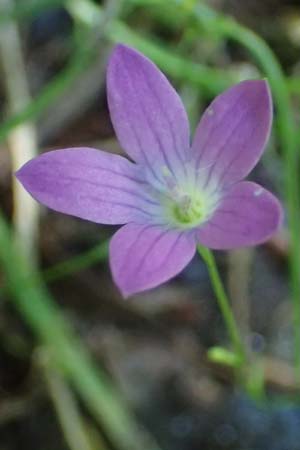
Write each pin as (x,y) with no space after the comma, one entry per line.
(173,195)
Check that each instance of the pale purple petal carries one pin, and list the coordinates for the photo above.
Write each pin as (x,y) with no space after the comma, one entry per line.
(147,113)
(248,215)
(142,257)
(233,132)
(88,183)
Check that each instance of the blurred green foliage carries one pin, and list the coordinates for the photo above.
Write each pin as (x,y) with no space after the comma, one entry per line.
(188,22)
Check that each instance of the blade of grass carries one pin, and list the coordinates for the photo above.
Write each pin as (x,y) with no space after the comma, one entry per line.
(86,259)
(37,308)
(65,405)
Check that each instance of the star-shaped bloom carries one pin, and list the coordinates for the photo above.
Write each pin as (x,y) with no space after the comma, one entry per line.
(173,195)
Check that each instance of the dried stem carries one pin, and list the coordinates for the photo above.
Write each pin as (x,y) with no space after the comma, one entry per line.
(22,140)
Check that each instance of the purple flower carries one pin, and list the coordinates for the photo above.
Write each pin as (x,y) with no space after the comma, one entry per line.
(174,196)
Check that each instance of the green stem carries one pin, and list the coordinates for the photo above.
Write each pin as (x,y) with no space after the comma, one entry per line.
(227,27)
(223,302)
(222,26)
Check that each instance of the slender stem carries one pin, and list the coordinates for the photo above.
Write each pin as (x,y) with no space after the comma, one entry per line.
(223,302)
(219,25)
(227,27)
(22,140)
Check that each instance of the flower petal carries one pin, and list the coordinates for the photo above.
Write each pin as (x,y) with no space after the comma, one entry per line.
(147,113)
(248,215)
(233,132)
(87,183)
(142,257)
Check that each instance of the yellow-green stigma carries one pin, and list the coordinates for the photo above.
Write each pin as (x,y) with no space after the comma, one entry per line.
(188,211)
(185,203)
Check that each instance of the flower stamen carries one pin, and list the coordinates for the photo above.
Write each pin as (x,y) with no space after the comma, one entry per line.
(188,210)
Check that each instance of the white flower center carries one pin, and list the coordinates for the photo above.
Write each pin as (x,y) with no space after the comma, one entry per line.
(187,202)
(188,210)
